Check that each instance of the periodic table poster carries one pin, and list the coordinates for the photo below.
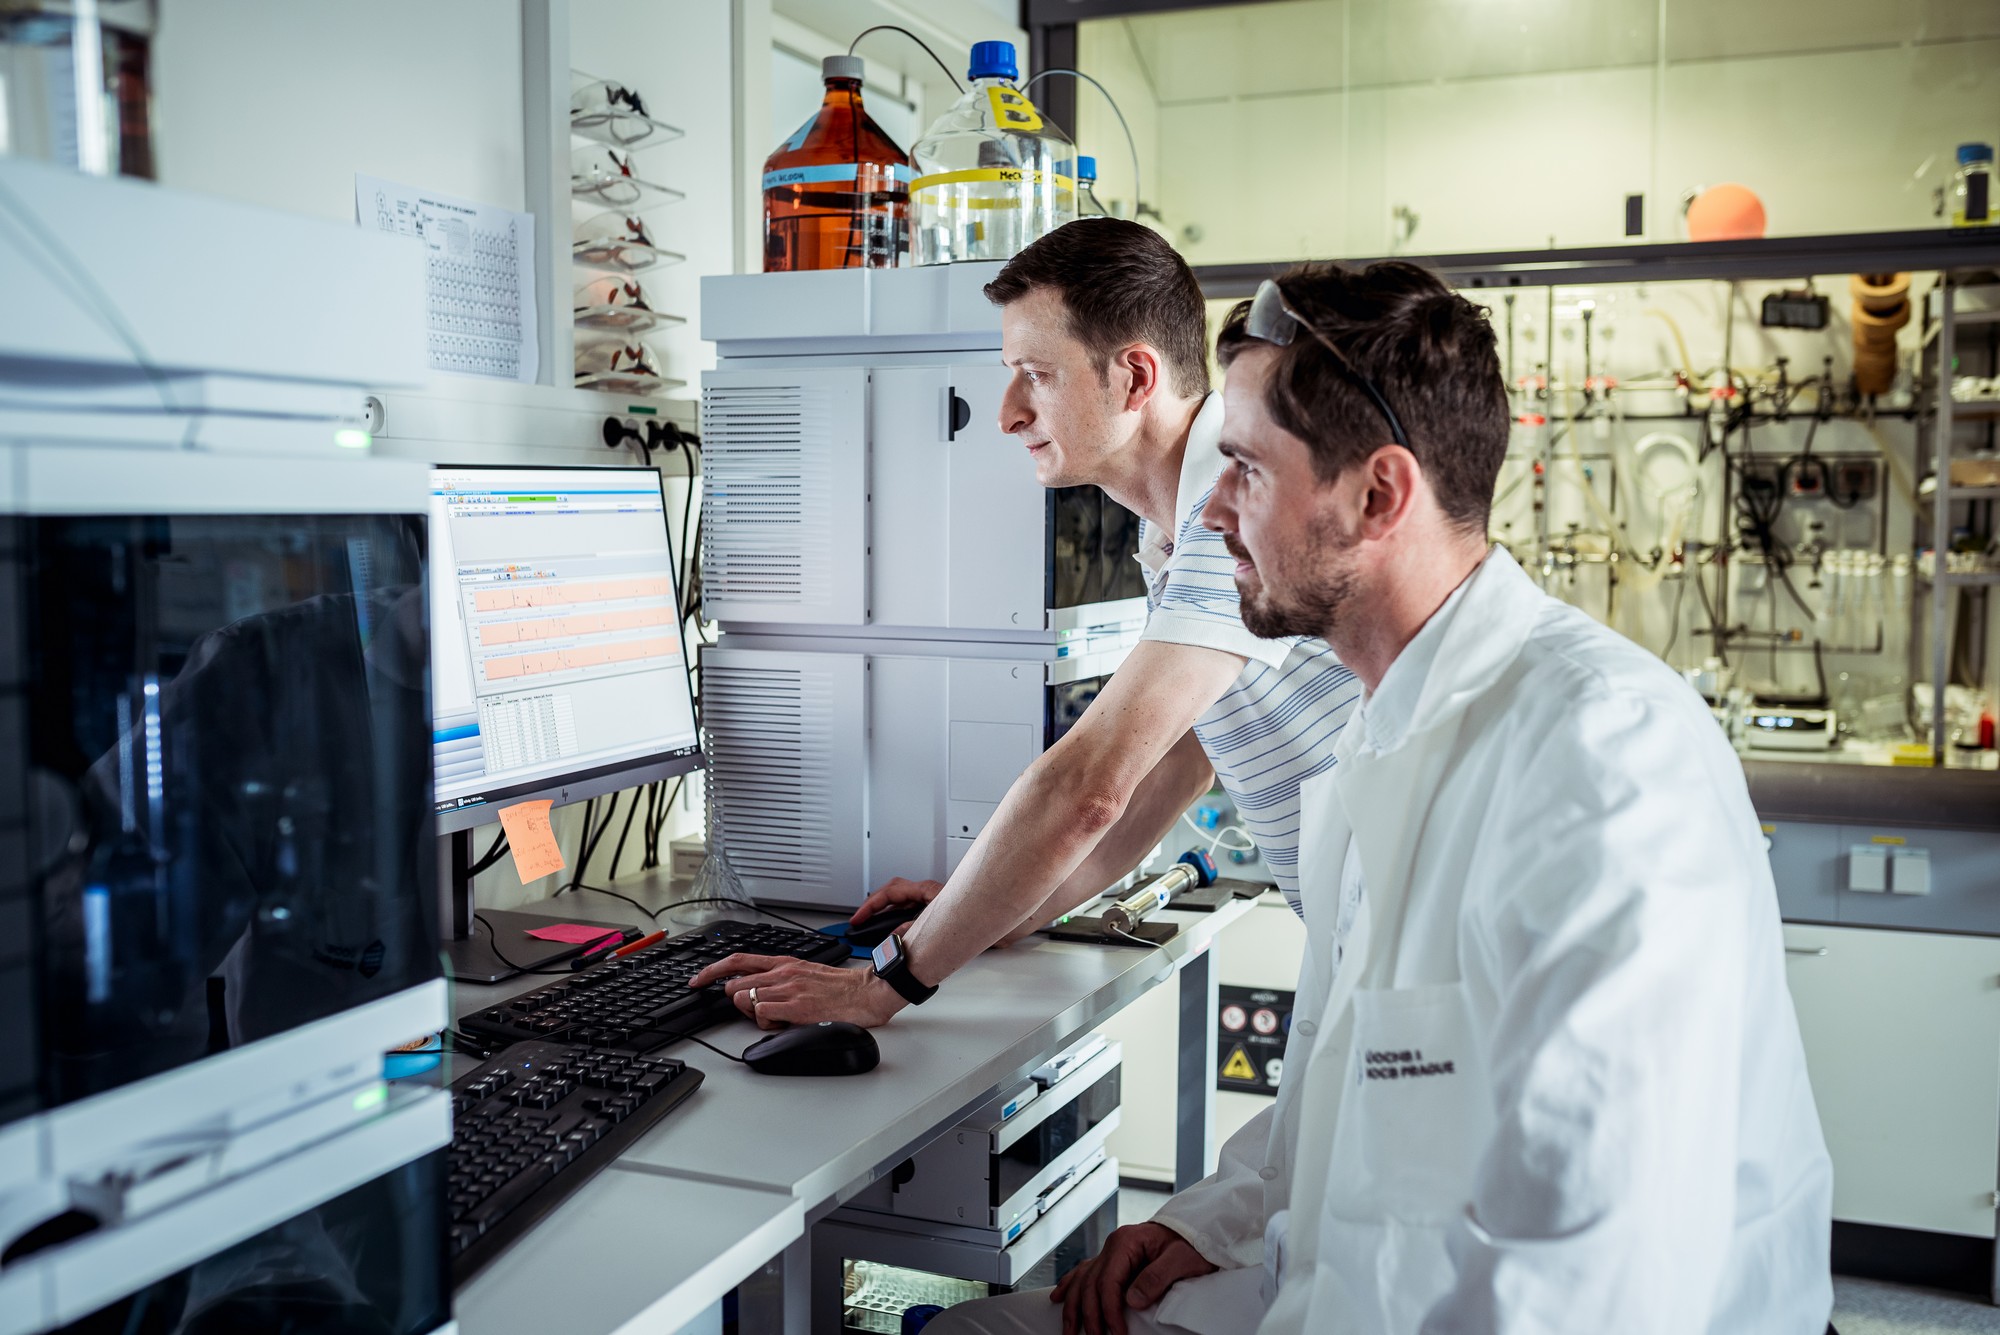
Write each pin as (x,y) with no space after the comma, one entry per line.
(479,276)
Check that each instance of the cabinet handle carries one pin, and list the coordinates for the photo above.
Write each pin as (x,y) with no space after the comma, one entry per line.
(1805,950)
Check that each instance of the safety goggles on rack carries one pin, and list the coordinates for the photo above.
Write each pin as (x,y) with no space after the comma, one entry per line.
(1272,320)
(604,358)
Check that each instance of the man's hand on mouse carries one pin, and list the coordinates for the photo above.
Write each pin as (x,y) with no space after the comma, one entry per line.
(793,991)
(896,894)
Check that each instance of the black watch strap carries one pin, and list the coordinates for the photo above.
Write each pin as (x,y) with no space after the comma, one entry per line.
(892,966)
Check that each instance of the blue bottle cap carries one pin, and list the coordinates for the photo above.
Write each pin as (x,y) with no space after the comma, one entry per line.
(1974,153)
(993,60)
(1086,167)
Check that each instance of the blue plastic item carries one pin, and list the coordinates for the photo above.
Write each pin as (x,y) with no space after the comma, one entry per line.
(403,1065)
(1974,153)
(1086,167)
(1203,864)
(1208,818)
(916,1318)
(993,60)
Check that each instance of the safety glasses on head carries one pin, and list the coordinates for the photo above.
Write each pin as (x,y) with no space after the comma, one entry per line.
(1272,320)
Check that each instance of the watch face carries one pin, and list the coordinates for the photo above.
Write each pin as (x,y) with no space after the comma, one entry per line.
(887,952)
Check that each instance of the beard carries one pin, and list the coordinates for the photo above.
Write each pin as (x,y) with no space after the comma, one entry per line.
(1316,602)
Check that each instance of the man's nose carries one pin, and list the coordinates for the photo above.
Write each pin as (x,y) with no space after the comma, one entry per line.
(1014,413)
(1220,512)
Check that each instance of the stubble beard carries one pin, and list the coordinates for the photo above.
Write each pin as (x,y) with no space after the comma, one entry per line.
(1313,610)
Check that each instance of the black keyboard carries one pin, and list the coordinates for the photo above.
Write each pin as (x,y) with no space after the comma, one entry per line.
(643,1001)
(536,1122)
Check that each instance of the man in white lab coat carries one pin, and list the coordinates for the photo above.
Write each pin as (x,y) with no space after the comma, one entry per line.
(1545,1074)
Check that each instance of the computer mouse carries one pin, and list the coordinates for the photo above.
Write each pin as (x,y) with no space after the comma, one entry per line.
(831,1047)
(876,930)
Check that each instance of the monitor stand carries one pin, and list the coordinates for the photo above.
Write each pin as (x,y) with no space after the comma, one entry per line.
(470,948)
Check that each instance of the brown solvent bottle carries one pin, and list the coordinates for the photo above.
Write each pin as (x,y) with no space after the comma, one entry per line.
(837,193)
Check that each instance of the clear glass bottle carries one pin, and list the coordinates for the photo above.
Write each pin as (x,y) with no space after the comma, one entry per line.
(837,193)
(1087,205)
(989,172)
(1972,187)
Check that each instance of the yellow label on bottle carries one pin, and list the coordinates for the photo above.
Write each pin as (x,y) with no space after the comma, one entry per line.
(1011,111)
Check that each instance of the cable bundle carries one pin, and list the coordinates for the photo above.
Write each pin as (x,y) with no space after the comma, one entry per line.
(1881,307)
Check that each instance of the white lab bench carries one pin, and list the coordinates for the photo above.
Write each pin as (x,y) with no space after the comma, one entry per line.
(738,1175)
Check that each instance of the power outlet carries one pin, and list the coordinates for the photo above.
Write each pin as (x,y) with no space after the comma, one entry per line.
(1853,480)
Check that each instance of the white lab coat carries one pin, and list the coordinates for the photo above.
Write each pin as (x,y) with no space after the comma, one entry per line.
(1551,1079)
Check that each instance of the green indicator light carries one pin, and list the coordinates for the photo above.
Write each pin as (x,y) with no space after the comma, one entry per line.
(352,438)
(641,410)
(372,1097)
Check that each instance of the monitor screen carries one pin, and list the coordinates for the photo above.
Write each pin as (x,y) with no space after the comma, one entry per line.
(556,653)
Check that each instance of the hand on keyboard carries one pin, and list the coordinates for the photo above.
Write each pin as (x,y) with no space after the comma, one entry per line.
(793,991)
(642,1001)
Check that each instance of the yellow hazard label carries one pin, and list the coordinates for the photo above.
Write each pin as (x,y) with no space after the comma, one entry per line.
(1011,111)
(1888,839)
(1238,1066)
(1009,175)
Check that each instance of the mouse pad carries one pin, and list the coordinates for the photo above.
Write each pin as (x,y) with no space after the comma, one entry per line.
(1094,931)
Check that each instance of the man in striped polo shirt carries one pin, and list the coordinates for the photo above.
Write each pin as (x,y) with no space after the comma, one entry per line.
(1104,328)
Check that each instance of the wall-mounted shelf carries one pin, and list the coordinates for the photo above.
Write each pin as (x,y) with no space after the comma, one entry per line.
(606,112)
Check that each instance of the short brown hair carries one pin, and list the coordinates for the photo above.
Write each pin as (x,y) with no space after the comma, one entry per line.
(1429,351)
(1121,284)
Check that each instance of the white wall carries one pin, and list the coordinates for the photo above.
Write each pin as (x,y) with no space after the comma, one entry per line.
(1107,53)
(281,104)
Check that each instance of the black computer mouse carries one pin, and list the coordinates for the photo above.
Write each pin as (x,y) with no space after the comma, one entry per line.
(831,1047)
(876,930)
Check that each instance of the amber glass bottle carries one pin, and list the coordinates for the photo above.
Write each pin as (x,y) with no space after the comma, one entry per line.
(837,193)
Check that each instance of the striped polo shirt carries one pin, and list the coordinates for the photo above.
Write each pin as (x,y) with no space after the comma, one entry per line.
(1275,725)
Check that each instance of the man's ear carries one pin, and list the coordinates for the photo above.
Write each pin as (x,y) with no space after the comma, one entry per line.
(1395,485)
(1143,371)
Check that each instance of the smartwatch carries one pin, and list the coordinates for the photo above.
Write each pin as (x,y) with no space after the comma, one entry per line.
(892,966)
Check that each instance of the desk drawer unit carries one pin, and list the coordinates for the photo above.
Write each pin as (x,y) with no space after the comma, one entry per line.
(1005,1166)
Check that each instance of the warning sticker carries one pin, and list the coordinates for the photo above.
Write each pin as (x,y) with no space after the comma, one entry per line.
(1238,1066)
(1252,1023)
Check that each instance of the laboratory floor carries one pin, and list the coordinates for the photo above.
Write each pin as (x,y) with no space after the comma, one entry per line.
(1860,1306)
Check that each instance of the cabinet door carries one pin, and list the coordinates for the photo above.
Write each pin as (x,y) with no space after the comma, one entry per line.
(959,525)
(1902,1039)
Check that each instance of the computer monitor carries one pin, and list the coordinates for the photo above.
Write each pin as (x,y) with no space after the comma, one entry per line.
(557,665)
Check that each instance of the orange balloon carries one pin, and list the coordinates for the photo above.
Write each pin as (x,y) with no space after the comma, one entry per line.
(1725,213)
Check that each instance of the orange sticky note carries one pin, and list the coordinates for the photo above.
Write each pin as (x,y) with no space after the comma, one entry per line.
(531,840)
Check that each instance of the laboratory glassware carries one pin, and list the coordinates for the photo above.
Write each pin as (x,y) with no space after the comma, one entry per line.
(989,172)
(837,193)
(76,84)
(1972,187)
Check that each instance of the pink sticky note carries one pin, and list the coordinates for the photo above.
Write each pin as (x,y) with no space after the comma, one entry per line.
(572,933)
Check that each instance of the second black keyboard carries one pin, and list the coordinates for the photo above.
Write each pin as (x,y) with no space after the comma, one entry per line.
(536,1122)
(643,1001)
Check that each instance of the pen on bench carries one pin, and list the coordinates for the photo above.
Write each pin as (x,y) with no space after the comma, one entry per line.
(640,944)
(596,954)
